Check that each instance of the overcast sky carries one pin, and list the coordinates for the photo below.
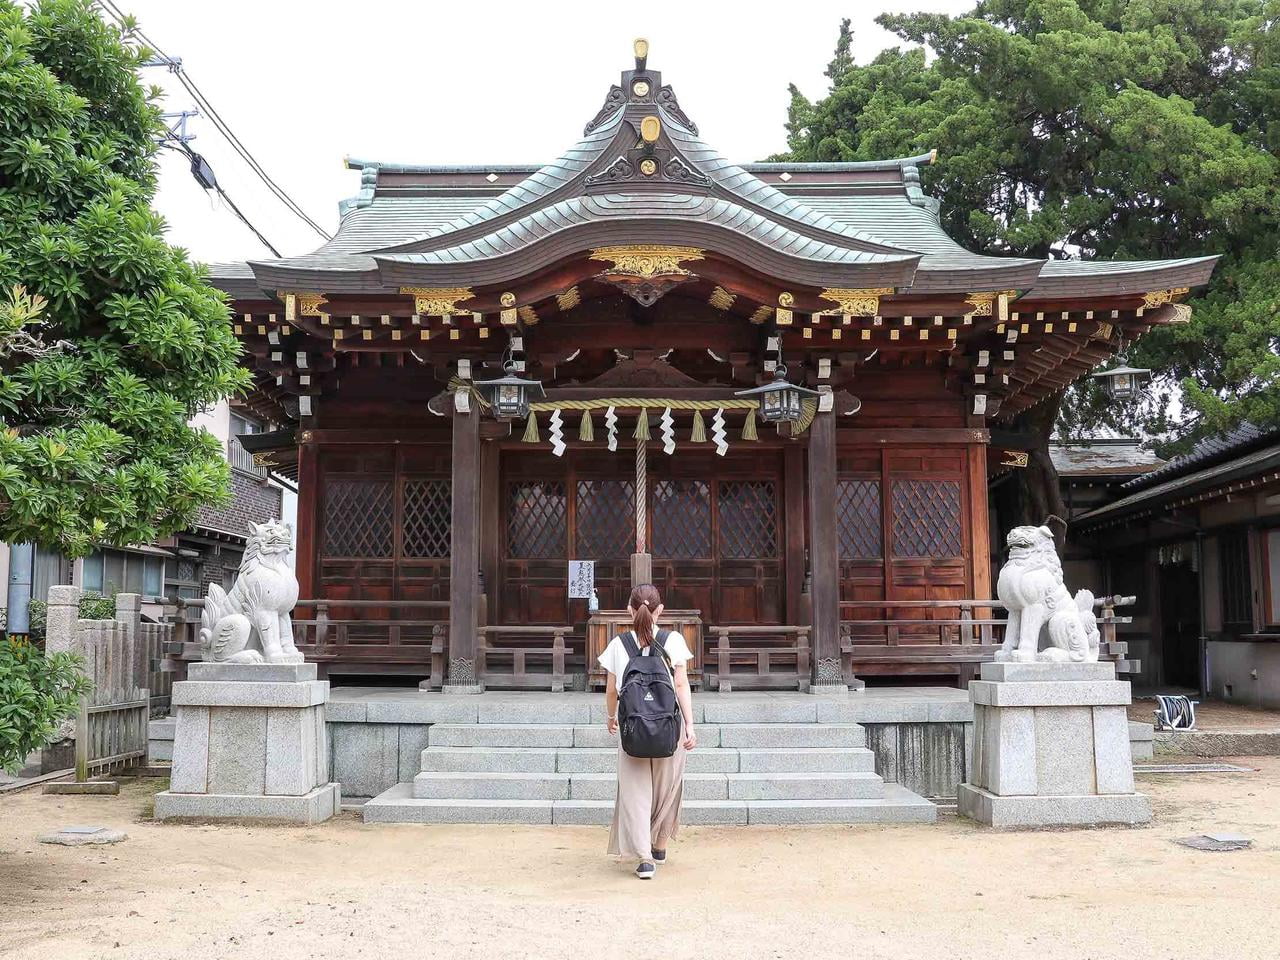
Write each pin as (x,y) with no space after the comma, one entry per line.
(306,84)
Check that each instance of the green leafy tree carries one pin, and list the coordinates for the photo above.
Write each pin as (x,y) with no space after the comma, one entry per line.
(36,694)
(1126,129)
(110,339)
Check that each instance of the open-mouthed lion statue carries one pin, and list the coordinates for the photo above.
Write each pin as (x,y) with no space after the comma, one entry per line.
(251,624)
(1031,587)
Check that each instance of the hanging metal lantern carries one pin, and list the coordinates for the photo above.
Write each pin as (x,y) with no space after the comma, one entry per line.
(780,401)
(1124,383)
(509,396)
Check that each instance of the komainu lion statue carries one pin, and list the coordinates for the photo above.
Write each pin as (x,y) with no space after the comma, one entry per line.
(251,623)
(1039,605)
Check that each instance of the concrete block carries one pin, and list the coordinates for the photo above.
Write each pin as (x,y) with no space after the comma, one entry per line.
(490,760)
(221,693)
(253,672)
(1141,740)
(777,735)
(930,758)
(160,751)
(1063,753)
(604,786)
(1083,693)
(804,786)
(876,709)
(1007,672)
(237,750)
(162,728)
(425,708)
(582,813)
(322,746)
(898,805)
(949,711)
(1112,755)
(996,811)
(366,757)
(190,772)
(313,807)
(503,735)
(806,760)
(291,752)
(743,708)
(558,710)
(491,786)
(1008,759)
(346,711)
(398,805)
(413,739)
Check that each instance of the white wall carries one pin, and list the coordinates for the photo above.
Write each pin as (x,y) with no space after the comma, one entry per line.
(217,420)
(1232,669)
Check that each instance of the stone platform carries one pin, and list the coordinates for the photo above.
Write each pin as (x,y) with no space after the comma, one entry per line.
(250,741)
(1051,747)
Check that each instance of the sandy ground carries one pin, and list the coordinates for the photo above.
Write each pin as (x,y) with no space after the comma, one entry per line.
(346,890)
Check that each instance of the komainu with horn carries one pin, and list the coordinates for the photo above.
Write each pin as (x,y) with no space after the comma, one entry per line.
(251,624)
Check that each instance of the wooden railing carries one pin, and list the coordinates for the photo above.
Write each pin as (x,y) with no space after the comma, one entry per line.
(945,636)
(760,658)
(549,642)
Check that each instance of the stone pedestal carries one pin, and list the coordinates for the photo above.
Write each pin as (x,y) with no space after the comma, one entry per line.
(250,742)
(1051,747)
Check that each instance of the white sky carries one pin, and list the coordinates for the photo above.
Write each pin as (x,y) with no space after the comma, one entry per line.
(305,84)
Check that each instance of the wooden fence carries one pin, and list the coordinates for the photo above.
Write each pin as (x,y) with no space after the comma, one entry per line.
(111,728)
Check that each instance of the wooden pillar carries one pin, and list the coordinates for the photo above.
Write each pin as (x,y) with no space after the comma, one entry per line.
(305,547)
(464,554)
(824,560)
(794,522)
(979,522)
(490,527)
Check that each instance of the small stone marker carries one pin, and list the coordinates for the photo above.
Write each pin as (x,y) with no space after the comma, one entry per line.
(1216,842)
(76,836)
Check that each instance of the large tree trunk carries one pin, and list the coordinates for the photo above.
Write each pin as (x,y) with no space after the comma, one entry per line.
(1040,495)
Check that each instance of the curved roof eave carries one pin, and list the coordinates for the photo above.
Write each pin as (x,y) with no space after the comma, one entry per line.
(1063,279)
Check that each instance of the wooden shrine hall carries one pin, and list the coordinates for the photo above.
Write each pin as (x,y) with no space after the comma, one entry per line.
(766,387)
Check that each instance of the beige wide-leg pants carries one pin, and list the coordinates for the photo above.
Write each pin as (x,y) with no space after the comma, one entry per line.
(646,813)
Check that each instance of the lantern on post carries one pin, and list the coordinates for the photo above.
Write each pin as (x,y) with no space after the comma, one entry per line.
(1124,383)
(780,401)
(509,396)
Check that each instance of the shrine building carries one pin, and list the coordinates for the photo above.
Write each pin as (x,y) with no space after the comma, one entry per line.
(768,388)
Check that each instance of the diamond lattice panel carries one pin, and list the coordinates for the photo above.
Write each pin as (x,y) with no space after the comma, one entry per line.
(358,517)
(427,510)
(682,519)
(537,527)
(926,518)
(605,525)
(748,520)
(858,519)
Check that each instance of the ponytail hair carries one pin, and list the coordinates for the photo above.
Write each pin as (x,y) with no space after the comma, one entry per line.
(644,600)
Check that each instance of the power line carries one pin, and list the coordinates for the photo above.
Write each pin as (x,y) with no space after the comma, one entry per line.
(204,176)
(175,67)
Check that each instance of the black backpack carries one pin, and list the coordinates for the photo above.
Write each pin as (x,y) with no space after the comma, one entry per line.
(648,712)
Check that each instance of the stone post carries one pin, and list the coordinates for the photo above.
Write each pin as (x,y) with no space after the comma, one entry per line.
(250,743)
(62,635)
(1051,747)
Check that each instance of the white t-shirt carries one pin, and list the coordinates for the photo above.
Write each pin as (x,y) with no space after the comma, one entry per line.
(615,658)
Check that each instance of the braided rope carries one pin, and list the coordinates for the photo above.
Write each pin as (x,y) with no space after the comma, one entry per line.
(641,489)
(641,403)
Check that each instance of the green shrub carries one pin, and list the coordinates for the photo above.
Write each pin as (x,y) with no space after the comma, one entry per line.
(37,692)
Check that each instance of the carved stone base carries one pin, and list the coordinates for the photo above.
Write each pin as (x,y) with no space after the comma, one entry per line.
(462,688)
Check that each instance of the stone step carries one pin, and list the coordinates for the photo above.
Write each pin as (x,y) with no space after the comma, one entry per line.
(745,786)
(491,786)
(749,735)
(605,760)
(777,735)
(399,805)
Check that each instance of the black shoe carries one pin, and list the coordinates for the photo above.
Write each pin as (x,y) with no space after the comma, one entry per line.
(659,856)
(646,870)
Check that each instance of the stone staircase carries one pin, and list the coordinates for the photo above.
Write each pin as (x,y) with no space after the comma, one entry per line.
(765,767)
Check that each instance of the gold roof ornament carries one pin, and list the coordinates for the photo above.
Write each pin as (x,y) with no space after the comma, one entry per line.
(650,129)
(647,259)
(1158,298)
(437,301)
(860,302)
(721,298)
(569,299)
(641,48)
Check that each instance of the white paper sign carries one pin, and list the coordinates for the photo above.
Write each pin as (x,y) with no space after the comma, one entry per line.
(582,579)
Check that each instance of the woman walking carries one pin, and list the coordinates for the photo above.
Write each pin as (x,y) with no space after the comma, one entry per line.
(646,812)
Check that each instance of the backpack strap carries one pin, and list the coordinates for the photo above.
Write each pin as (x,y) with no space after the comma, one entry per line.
(629,644)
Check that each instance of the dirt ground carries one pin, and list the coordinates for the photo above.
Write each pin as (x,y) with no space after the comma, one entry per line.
(1216,717)
(345,890)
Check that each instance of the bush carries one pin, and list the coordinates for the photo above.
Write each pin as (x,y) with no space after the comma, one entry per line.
(36,694)
(93,606)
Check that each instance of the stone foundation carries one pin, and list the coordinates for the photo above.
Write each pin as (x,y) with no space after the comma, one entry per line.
(1051,747)
(250,742)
